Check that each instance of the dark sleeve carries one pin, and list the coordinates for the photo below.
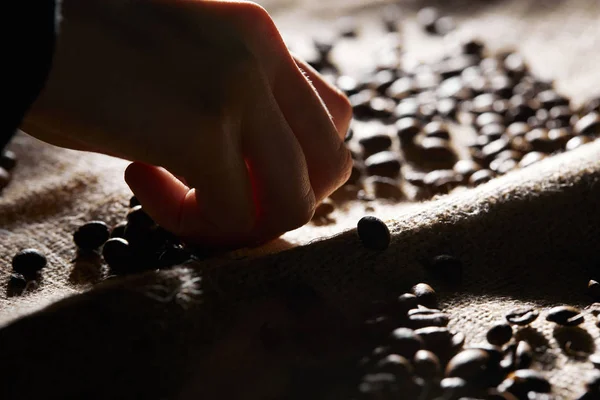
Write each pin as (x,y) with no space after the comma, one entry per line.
(31,28)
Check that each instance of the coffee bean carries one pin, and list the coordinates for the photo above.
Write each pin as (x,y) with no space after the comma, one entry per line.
(469,364)
(324,209)
(117,253)
(480,177)
(593,289)
(492,149)
(588,125)
(426,364)
(540,141)
(395,364)
(577,141)
(386,188)
(531,158)
(349,136)
(501,85)
(443,180)
(427,18)
(455,388)
(454,66)
(16,284)
(406,129)
(506,166)
(382,107)
(523,381)
(401,88)
(466,168)
(425,295)
(375,144)
(385,163)
(361,103)
(565,315)
(457,341)
(408,108)
(494,352)
(8,160)
(379,385)
(549,98)
(29,262)
(138,218)
(520,144)
(405,342)
(473,46)
(484,103)
(382,80)
(438,151)
(595,360)
(436,129)
(494,131)
(517,129)
(447,108)
(5,178)
(499,334)
(437,339)
(91,235)
(515,65)
(522,316)
(523,355)
(423,320)
(118,231)
(373,233)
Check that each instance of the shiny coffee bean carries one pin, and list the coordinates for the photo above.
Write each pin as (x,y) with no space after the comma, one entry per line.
(520,144)
(443,180)
(499,334)
(540,141)
(348,85)
(401,88)
(426,364)
(457,342)
(436,129)
(492,149)
(593,289)
(407,128)
(549,98)
(494,352)
(517,129)
(484,103)
(437,339)
(16,284)
(415,178)
(118,231)
(138,218)
(469,364)
(493,131)
(454,88)
(515,65)
(454,66)
(502,86)
(531,158)
(588,125)
(29,262)
(395,364)
(455,388)
(386,188)
(375,144)
(405,342)
(559,137)
(565,315)
(504,166)
(417,321)
(91,235)
(447,108)
(466,168)
(577,141)
(481,177)
(522,316)
(405,302)
(373,233)
(523,355)
(8,160)
(427,17)
(382,80)
(408,108)
(385,163)
(382,107)
(437,150)
(523,381)
(117,254)
(425,295)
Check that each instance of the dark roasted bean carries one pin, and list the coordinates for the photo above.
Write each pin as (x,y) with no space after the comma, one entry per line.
(16,284)
(457,341)
(425,295)
(466,168)
(406,302)
(348,85)
(492,149)
(436,129)
(373,233)
(540,141)
(29,262)
(454,88)
(480,177)
(469,364)
(91,235)
(415,178)
(565,315)
(395,364)
(138,218)
(447,108)
(493,131)
(456,65)
(522,316)
(593,289)
(117,254)
(382,107)
(418,321)
(517,129)
(426,364)
(375,144)
(577,141)
(531,158)
(523,355)
(382,80)
(385,163)
(443,180)
(588,125)
(118,231)
(406,129)
(438,151)
(473,46)
(386,188)
(401,88)
(515,65)
(405,342)
(499,334)
(484,103)
(408,108)
(549,98)
(505,166)
(8,160)
(455,388)
(437,339)
(427,18)
(523,381)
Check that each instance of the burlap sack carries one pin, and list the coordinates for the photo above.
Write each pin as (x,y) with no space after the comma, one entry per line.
(530,237)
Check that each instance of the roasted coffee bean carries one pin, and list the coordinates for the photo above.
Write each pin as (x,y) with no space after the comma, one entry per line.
(577,141)
(405,342)
(373,233)
(426,364)
(133,202)
(138,218)
(437,339)
(494,352)
(501,85)
(117,253)
(457,341)
(523,381)
(454,66)
(492,149)
(474,47)
(506,166)
(515,65)
(405,302)
(499,334)
(531,158)
(522,316)
(484,103)
(415,178)
(549,98)
(466,168)
(493,131)
(382,80)
(480,177)
(559,137)
(588,125)
(401,88)
(438,151)
(8,160)
(520,144)
(382,107)
(5,178)
(469,364)
(517,129)
(118,231)
(561,113)
(565,315)
(375,144)
(454,88)
(29,262)
(593,289)
(455,388)
(436,129)
(447,108)
(408,108)
(395,364)
(348,85)
(592,105)
(379,385)
(386,188)
(324,209)
(540,141)
(443,180)
(361,103)
(427,18)
(16,284)
(418,321)
(523,355)
(407,128)
(425,295)
(91,235)
(385,163)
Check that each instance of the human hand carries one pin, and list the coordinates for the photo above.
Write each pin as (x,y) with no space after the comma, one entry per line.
(231,144)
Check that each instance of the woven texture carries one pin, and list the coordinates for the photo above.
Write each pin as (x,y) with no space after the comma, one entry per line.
(530,237)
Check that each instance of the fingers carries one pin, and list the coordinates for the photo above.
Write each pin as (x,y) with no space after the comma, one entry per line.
(336,102)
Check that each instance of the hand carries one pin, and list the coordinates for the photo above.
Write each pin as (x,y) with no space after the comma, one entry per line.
(230,142)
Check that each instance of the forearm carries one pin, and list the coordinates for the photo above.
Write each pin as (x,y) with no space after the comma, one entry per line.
(28,49)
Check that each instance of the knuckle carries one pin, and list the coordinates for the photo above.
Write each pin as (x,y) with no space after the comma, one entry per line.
(301,212)
(254,17)
(343,167)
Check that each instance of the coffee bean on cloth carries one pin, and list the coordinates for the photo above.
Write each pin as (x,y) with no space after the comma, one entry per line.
(8,160)
(91,235)
(499,334)
(117,253)
(373,233)
(425,295)
(522,316)
(29,262)
(565,315)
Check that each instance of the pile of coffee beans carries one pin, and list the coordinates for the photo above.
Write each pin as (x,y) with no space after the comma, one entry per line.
(8,161)
(424,129)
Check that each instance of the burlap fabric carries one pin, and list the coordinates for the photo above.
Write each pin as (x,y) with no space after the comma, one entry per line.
(530,237)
